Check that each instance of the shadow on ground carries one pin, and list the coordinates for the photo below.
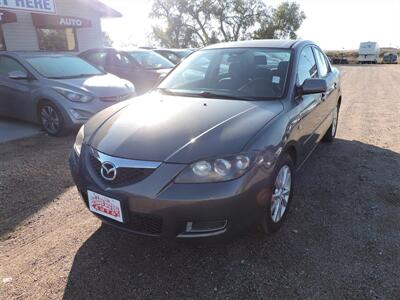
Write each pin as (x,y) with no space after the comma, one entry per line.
(33,172)
(341,239)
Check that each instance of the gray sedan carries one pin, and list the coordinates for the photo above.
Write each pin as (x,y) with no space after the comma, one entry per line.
(215,148)
(59,91)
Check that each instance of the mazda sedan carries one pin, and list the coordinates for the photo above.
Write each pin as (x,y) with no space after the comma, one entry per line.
(215,147)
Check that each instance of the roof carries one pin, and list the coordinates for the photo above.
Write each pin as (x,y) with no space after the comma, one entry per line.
(255,43)
(104,10)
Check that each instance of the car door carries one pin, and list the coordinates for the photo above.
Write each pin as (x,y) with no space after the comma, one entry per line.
(15,94)
(307,111)
(329,99)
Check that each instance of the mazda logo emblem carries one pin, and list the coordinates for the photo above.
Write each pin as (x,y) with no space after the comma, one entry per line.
(108,171)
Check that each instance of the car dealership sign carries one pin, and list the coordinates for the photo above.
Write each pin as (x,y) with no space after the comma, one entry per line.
(46,21)
(42,6)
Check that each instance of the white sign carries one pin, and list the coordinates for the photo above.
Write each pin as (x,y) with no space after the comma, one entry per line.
(43,6)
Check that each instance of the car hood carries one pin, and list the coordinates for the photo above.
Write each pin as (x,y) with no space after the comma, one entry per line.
(106,85)
(156,127)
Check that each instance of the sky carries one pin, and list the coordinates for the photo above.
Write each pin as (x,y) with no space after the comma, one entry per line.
(332,24)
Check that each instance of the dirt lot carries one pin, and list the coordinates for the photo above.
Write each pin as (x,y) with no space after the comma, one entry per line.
(342,238)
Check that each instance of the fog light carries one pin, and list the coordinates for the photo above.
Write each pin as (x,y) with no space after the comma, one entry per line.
(205,226)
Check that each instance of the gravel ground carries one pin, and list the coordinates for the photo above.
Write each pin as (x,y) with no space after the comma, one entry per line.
(341,240)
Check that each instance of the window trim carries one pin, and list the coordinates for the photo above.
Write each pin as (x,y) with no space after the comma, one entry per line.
(45,50)
(2,39)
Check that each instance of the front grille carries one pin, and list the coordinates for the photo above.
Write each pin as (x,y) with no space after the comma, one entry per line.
(125,176)
(144,223)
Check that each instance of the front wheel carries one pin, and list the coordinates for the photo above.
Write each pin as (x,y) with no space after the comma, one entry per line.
(51,119)
(282,191)
(331,133)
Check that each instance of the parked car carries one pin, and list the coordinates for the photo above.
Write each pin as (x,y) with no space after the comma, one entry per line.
(207,156)
(58,91)
(174,55)
(143,68)
(390,58)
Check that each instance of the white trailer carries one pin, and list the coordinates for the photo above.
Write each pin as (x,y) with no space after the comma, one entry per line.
(368,53)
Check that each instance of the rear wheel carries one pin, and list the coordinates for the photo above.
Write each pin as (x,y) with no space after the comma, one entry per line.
(51,119)
(282,191)
(331,133)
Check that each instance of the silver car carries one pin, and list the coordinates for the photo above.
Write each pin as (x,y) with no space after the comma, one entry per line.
(59,91)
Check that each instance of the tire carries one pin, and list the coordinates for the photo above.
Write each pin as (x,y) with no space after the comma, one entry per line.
(331,132)
(51,119)
(271,221)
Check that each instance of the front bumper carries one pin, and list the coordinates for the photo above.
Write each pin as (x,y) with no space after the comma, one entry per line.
(157,206)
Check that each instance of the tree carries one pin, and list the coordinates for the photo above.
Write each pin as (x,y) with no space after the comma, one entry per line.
(197,23)
(107,41)
(286,19)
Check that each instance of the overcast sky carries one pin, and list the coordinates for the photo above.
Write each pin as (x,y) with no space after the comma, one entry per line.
(333,24)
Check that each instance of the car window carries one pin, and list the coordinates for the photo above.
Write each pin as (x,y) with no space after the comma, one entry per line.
(150,60)
(307,67)
(121,60)
(8,64)
(97,58)
(250,73)
(172,57)
(322,64)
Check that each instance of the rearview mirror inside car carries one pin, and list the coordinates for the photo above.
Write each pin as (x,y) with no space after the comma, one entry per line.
(312,86)
(18,75)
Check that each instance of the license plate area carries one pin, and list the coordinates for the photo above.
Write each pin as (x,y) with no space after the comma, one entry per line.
(105,206)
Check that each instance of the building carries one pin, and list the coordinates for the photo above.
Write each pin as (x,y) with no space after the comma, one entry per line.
(52,25)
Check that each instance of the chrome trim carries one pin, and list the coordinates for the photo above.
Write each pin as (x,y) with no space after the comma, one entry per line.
(200,235)
(203,232)
(125,163)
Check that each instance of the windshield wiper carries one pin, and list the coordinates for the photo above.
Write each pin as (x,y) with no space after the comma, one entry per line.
(206,94)
(73,76)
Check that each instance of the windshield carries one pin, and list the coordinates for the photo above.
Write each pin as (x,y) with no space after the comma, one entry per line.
(150,60)
(248,73)
(59,67)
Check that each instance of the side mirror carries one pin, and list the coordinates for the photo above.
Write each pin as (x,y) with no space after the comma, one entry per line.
(18,75)
(312,86)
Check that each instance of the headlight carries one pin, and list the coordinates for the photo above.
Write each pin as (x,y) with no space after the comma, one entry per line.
(79,141)
(219,169)
(74,96)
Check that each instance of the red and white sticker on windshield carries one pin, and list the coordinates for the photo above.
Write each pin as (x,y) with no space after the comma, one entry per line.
(105,206)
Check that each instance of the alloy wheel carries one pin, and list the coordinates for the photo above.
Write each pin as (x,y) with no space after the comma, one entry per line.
(281,193)
(50,119)
(334,122)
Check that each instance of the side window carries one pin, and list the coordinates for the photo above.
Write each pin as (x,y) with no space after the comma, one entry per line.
(8,64)
(121,60)
(322,65)
(97,58)
(307,67)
